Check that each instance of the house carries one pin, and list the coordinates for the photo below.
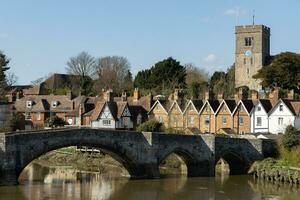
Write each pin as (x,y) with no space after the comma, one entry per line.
(159,112)
(191,114)
(175,114)
(224,119)
(110,114)
(242,116)
(207,116)
(38,108)
(285,112)
(260,116)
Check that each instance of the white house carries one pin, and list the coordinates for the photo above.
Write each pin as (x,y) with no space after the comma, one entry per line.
(112,115)
(259,116)
(285,112)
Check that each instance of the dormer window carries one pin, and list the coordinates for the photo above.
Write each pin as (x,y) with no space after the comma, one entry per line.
(54,104)
(29,104)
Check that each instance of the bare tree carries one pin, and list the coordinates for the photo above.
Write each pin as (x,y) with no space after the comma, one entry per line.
(82,65)
(114,72)
(11,79)
(195,75)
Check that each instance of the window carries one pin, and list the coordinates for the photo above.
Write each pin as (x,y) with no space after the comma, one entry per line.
(38,116)
(280,121)
(248,71)
(245,61)
(207,120)
(190,120)
(241,120)
(160,119)
(29,104)
(27,116)
(251,61)
(258,108)
(126,121)
(54,104)
(139,119)
(280,107)
(224,120)
(106,122)
(248,41)
(258,121)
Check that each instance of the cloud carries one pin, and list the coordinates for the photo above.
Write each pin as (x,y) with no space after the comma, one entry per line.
(210,58)
(236,11)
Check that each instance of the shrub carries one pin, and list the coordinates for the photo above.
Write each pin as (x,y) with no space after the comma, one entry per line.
(290,138)
(55,122)
(150,126)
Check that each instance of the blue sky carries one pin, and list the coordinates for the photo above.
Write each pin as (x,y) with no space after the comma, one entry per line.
(40,36)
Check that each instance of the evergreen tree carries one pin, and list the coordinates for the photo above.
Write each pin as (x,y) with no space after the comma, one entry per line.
(3,67)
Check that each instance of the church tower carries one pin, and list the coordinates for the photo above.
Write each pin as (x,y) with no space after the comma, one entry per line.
(251,53)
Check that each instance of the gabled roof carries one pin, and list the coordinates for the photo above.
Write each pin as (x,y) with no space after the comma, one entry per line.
(197,105)
(230,104)
(213,104)
(98,109)
(163,103)
(292,105)
(246,103)
(175,103)
(266,104)
(121,107)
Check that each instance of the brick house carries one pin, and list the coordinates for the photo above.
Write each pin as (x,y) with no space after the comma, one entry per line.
(224,119)
(159,112)
(242,116)
(191,114)
(207,116)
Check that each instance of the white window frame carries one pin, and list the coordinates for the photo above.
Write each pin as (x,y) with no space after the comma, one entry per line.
(38,116)
(106,122)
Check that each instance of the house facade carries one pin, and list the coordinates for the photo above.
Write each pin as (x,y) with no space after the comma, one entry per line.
(284,113)
(260,116)
(241,117)
(224,119)
(207,117)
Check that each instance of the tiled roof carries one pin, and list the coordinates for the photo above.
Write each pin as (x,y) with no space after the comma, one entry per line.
(98,109)
(43,103)
(231,104)
(214,104)
(248,104)
(198,104)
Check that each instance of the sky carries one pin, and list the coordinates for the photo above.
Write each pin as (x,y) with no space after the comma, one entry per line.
(40,36)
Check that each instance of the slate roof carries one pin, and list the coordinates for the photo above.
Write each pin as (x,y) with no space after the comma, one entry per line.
(266,103)
(198,104)
(214,104)
(293,105)
(248,104)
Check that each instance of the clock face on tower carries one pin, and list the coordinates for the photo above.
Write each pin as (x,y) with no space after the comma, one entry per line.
(248,53)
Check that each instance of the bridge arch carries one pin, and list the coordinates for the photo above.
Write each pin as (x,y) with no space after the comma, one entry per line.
(125,147)
(236,161)
(195,167)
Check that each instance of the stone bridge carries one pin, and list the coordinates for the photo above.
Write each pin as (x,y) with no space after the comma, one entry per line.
(140,153)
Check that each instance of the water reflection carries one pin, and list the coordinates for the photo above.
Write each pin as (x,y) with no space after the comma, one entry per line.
(38,182)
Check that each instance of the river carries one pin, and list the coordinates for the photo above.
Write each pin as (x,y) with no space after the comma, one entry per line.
(40,182)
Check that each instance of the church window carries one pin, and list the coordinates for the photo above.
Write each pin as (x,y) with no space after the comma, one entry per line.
(248,71)
(251,61)
(248,41)
(245,61)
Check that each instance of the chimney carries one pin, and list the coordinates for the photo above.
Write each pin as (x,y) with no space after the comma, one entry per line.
(254,95)
(124,96)
(176,95)
(221,96)
(291,95)
(243,93)
(70,95)
(108,95)
(206,95)
(274,95)
(136,94)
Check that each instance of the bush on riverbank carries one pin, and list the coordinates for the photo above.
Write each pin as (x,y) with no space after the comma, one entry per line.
(151,126)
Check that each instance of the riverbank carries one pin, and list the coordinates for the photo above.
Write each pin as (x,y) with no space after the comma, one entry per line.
(102,163)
